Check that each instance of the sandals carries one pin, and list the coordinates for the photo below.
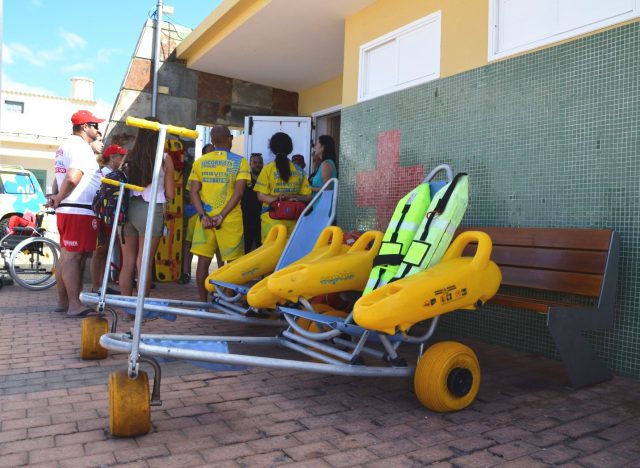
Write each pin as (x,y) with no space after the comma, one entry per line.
(81,314)
(184,278)
(109,291)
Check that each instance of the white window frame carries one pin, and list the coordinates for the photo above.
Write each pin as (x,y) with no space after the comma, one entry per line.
(494,15)
(14,107)
(395,36)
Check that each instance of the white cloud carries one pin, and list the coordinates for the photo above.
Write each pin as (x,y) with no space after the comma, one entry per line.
(39,58)
(7,54)
(103,55)
(76,67)
(10,85)
(73,40)
(51,55)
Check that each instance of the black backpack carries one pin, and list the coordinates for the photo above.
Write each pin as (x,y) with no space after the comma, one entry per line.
(106,199)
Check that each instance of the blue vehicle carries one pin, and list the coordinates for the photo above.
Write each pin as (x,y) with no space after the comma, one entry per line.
(20,192)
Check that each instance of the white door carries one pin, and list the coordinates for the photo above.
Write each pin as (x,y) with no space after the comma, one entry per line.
(259,129)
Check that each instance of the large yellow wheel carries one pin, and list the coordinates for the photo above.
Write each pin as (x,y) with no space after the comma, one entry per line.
(92,329)
(129,406)
(447,377)
(328,310)
(318,309)
(314,328)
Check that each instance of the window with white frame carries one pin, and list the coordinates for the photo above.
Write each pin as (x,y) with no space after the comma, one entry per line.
(402,58)
(14,106)
(519,25)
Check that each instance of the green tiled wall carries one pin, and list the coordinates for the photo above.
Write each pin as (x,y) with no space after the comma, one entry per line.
(549,139)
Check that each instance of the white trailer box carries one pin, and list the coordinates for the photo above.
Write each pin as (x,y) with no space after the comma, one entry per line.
(259,129)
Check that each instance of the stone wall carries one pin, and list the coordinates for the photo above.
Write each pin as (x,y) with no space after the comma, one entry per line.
(188,97)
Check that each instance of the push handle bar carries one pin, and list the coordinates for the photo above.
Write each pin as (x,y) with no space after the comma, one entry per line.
(135,188)
(149,125)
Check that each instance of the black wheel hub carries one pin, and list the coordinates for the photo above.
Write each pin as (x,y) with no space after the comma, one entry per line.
(459,381)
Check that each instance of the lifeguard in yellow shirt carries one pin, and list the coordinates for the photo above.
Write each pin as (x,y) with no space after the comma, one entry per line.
(280,180)
(216,184)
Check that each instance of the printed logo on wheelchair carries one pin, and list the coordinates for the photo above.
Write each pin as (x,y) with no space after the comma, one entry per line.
(337,278)
(445,295)
(20,192)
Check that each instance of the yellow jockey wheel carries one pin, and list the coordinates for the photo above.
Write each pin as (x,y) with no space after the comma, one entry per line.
(129,404)
(92,329)
(447,377)
(314,327)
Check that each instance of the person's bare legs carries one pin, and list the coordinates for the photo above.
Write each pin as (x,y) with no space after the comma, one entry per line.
(98,263)
(72,278)
(128,269)
(63,297)
(202,271)
(187,258)
(154,246)
(219,260)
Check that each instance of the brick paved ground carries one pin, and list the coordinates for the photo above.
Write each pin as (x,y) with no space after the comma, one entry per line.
(54,409)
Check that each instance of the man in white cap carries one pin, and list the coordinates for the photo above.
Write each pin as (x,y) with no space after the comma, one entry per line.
(77,177)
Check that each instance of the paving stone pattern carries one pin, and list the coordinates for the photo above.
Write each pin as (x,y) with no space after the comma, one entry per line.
(54,408)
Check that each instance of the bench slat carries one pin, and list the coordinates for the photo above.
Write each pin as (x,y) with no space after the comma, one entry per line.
(578,261)
(547,280)
(529,303)
(519,302)
(585,239)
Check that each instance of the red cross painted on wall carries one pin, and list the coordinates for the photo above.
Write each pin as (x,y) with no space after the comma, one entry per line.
(384,186)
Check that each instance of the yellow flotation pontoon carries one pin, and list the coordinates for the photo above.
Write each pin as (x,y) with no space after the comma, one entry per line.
(345,272)
(329,244)
(455,283)
(260,262)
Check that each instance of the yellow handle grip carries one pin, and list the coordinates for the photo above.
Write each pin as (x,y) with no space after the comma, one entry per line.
(365,239)
(149,125)
(483,252)
(135,188)
(332,236)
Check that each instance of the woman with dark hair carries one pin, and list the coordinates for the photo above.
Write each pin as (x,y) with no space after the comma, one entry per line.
(280,180)
(139,171)
(324,161)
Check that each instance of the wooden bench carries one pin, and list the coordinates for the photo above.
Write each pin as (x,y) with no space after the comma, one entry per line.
(573,264)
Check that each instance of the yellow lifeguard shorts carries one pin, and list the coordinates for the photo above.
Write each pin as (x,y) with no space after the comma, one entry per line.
(228,239)
(191,226)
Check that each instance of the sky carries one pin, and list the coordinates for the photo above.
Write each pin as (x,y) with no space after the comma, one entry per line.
(46,42)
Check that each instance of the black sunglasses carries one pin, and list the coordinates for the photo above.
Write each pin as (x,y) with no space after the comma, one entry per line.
(93,124)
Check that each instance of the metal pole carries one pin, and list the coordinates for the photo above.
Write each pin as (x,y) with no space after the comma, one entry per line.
(156,59)
(144,272)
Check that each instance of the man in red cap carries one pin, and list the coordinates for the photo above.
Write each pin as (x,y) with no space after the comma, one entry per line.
(77,177)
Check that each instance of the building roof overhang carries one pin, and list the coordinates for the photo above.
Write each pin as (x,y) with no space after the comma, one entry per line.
(286,44)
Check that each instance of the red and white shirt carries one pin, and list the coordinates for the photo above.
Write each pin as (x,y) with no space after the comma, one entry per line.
(75,153)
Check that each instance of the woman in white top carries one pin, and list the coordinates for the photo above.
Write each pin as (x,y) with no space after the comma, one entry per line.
(140,161)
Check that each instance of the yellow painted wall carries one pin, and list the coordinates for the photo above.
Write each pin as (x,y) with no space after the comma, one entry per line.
(319,97)
(464,34)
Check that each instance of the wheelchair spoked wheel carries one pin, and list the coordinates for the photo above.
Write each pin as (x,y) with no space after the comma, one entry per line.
(33,262)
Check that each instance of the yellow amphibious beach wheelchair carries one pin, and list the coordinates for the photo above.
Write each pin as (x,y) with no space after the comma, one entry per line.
(408,277)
